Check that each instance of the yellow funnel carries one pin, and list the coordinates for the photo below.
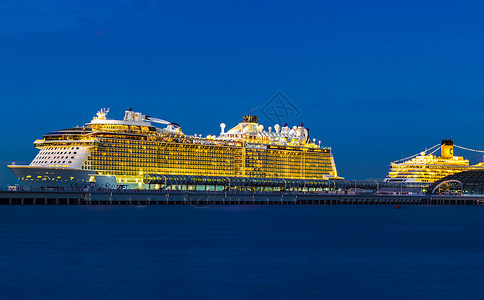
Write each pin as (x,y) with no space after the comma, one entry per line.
(447,149)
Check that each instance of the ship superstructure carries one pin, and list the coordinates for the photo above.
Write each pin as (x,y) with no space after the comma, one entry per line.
(113,153)
(427,168)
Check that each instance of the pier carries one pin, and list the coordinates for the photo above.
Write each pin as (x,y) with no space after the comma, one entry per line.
(222,198)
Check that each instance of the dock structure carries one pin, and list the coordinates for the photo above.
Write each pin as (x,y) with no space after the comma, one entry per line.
(141,197)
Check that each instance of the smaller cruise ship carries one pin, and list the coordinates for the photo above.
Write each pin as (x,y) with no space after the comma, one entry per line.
(427,168)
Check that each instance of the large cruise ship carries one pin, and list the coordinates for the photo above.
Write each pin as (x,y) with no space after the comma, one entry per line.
(118,153)
(427,168)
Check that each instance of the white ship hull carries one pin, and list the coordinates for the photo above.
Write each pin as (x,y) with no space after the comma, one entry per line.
(401,179)
(45,177)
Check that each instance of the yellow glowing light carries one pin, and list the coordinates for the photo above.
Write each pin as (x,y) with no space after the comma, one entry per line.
(246,154)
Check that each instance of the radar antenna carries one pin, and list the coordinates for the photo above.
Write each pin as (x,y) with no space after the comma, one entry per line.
(101,115)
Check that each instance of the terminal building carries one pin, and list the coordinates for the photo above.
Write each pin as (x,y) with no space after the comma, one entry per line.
(169,182)
(464,183)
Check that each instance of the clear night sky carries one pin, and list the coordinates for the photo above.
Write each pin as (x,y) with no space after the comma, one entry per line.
(374,80)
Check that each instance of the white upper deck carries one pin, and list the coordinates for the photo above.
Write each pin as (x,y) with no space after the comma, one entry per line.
(249,130)
(134,119)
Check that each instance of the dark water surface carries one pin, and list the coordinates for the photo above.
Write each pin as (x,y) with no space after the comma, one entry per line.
(172,252)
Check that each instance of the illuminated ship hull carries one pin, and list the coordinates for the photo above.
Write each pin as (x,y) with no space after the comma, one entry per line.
(38,178)
(118,153)
(428,168)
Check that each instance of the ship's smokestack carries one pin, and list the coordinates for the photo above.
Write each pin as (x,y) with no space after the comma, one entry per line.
(447,149)
(250,119)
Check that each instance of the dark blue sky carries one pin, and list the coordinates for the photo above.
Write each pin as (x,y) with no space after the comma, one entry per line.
(375,80)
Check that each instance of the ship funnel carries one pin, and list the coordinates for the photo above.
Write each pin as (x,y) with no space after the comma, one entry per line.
(250,119)
(447,149)
(129,115)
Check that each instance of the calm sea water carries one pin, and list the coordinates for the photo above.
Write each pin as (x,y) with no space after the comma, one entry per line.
(173,252)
